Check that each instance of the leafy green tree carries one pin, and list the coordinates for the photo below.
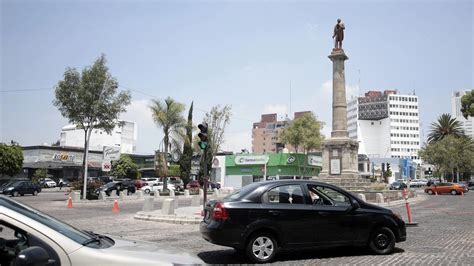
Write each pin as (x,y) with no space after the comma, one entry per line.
(11,159)
(173,170)
(90,101)
(39,174)
(187,154)
(450,154)
(124,168)
(467,104)
(304,132)
(445,126)
(217,120)
(168,115)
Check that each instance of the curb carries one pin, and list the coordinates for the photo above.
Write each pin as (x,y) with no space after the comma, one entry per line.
(173,219)
(402,202)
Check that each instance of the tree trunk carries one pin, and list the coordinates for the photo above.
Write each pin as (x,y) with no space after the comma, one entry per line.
(165,177)
(86,154)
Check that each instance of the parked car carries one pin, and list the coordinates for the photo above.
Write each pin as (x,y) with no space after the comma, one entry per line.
(21,188)
(418,182)
(151,180)
(444,188)
(470,184)
(263,218)
(397,185)
(214,185)
(48,182)
(35,238)
(156,187)
(64,182)
(140,183)
(193,184)
(108,188)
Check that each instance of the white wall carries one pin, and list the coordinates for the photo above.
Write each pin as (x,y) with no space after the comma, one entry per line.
(124,137)
(374,137)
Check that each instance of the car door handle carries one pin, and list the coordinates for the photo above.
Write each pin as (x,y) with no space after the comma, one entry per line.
(323,213)
(275,213)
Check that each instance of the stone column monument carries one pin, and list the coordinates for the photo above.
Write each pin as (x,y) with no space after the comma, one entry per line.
(339,151)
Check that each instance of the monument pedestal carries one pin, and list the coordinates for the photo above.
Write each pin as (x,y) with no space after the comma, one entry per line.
(340,159)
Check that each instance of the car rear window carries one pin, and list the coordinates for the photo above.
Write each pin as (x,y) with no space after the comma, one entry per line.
(242,192)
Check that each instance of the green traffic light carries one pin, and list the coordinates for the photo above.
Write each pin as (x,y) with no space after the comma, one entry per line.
(202,145)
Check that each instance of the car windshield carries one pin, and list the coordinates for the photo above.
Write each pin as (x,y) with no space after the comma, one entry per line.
(60,227)
(238,194)
(14,184)
(111,184)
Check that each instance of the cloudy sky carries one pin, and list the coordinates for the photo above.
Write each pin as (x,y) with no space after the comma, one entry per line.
(243,53)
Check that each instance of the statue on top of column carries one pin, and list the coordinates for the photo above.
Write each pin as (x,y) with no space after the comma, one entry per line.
(338,35)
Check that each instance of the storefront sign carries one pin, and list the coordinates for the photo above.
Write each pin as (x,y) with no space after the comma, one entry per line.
(106,166)
(111,153)
(64,157)
(253,159)
(315,160)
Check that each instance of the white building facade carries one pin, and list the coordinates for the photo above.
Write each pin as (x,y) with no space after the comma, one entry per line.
(386,124)
(123,135)
(467,124)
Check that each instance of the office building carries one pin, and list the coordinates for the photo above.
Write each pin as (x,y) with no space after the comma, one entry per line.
(467,124)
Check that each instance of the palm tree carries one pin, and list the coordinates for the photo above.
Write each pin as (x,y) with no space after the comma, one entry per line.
(168,115)
(445,126)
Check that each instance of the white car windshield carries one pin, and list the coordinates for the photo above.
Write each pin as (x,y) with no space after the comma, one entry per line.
(60,227)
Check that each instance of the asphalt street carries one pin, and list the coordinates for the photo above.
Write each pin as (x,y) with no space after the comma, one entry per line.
(444,235)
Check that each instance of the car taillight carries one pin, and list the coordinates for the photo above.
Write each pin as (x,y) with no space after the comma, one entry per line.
(219,212)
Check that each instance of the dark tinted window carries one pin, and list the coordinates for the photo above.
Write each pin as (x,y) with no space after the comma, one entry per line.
(242,192)
(286,194)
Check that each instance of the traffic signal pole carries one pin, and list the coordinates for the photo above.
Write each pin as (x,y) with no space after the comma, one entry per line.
(205,179)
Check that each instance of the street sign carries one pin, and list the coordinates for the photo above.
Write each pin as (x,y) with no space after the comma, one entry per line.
(106,166)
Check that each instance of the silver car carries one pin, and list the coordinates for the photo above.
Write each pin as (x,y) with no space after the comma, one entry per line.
(27,235)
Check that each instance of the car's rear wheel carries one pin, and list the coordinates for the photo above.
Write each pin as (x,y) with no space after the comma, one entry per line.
(147,191)
(261,248)
(454,192)
(430,192)
(382,241)
(35,193)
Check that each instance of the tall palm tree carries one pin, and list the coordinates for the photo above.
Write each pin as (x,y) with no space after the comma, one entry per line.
(168,115)
(445,126)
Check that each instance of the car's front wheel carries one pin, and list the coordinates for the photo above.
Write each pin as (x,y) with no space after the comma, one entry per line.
(147,191)
(261,248)
(35,193)
(15,194)
(454,192)
(382,241)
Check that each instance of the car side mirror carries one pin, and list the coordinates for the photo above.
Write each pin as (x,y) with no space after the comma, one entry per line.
(355,205)
(32,256)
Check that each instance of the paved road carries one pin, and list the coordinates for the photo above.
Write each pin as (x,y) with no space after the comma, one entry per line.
(445,234)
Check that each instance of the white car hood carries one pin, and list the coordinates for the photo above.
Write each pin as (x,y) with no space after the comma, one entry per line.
(131,252)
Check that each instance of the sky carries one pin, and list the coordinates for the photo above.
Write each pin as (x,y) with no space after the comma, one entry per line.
(257,56)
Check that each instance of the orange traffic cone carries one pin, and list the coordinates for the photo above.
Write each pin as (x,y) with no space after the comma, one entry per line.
(69,203)
(116,208)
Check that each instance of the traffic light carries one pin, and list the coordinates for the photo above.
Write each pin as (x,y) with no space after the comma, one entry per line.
(383,167)
(388,167)
(203,136)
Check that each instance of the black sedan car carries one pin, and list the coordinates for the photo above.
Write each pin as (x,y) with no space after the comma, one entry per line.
(398,185)
(262,218)
(124,185)
(21,188)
